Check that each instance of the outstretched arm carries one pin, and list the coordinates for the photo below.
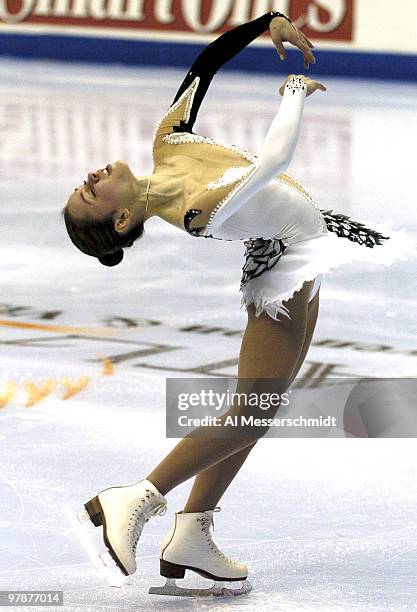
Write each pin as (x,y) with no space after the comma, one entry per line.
(277,150)
(182,114)
(218,53)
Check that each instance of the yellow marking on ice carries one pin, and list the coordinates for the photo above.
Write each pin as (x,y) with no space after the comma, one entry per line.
(36,392)
(74,387)
(108,368)
(6,394)
(90,331)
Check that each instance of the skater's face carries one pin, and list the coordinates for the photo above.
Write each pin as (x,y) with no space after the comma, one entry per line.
(105,191)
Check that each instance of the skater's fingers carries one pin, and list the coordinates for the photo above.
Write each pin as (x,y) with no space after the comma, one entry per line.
(280,48)
(308,55)
(307,40)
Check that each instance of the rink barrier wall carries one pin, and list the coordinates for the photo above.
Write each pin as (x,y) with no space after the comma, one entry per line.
(343,63)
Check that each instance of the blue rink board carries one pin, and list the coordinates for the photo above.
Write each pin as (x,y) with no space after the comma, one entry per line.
(159,53)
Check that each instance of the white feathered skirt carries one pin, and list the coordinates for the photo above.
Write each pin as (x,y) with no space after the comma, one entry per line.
(274,271)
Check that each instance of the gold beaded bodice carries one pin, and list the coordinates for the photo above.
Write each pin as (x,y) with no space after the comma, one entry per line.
(212,170)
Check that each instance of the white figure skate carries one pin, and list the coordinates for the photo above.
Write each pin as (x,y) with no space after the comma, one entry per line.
(189,546)
(123,512)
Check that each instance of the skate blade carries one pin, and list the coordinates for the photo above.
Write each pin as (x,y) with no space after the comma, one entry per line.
(102,561)
(217,590)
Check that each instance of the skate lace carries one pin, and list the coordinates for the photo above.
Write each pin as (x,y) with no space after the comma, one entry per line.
(206,524)
(140,516)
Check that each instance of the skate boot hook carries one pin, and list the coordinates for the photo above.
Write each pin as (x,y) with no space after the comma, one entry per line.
(189,546)
(123,511)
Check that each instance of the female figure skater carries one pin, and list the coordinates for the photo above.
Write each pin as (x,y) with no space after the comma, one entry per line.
(219,191)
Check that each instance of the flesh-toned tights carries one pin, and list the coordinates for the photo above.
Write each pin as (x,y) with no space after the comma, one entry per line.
(270,349)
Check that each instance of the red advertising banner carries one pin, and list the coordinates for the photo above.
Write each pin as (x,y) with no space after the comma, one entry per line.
(321,19)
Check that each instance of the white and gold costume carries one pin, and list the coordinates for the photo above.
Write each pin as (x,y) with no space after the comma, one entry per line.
(230,194)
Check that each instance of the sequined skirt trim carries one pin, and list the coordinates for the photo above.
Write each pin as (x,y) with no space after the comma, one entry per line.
(273,272)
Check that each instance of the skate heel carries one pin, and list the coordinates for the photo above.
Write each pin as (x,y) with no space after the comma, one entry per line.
(93,508)
(171,570)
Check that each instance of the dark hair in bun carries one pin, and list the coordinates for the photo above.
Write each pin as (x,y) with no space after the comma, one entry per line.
(98,238)
(113,259)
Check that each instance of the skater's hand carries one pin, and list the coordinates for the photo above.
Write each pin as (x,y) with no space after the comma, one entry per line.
(312,86)
(284,31)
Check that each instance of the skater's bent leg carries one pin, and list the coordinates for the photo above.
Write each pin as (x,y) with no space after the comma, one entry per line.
(270,350)
(210,485)
(313,311)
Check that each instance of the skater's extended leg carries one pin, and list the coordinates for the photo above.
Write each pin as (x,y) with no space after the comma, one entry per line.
(124,510)
(270,350)
(189,544)
(313,312)
(210,485)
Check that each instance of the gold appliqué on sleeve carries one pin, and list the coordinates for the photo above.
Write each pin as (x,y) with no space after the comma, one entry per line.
(180,111)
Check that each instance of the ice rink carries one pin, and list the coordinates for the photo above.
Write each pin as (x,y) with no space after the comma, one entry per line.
(323,524)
